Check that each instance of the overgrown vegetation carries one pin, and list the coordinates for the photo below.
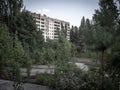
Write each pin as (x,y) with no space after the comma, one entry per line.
(21,45)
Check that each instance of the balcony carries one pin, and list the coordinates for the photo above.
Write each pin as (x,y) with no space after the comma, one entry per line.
(56,25)
(42,26)
(42,19)
(56,22)
(42,22)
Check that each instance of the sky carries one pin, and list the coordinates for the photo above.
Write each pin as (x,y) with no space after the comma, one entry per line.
(68,10)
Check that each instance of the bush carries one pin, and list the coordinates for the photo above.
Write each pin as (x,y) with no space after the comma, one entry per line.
(45,79)
(64,78)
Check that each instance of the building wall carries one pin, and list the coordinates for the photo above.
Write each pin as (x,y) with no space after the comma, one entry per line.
(50,26)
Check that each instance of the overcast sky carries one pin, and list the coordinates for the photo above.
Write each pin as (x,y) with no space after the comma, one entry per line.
(67,10)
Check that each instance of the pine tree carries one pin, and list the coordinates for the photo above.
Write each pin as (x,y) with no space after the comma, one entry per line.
(104,29)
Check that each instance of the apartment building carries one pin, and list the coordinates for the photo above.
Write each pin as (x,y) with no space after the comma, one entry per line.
(50,26)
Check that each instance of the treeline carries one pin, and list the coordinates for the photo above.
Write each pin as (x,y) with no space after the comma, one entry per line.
(100,36)
(77,36)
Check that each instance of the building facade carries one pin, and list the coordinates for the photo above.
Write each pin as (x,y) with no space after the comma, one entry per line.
(50,26)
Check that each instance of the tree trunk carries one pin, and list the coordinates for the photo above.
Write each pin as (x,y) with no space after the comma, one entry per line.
(102,69)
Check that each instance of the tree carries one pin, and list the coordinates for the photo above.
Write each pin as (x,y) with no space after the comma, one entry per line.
(18,52)
(16,61)
(9,9)
(107,15)
(64,29)
(74,37)
(10,56)
(5,48)
(84,24)
(77,37)
(39,39)
(26,30)
(87,31)
(102,36)
(83,21)
(63,49)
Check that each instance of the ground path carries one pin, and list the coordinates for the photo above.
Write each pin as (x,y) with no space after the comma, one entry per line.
(8,85)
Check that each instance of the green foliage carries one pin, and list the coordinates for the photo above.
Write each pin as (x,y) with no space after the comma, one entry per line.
(102,37)
(5,43)
(16,76)
(46,79)
(26,30)
(68,77)
(16,72)
(18,51)
(74,35)
(107,14)
(99,39)
(17,60)
(50,55)
(21,45)
(39,39)
(77,37)
(64,29)
(11,54)
(31,39)
(44,56)
(5,48)
(74,38)
(64,78)
(9,9)
(63,50)
(56,51)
